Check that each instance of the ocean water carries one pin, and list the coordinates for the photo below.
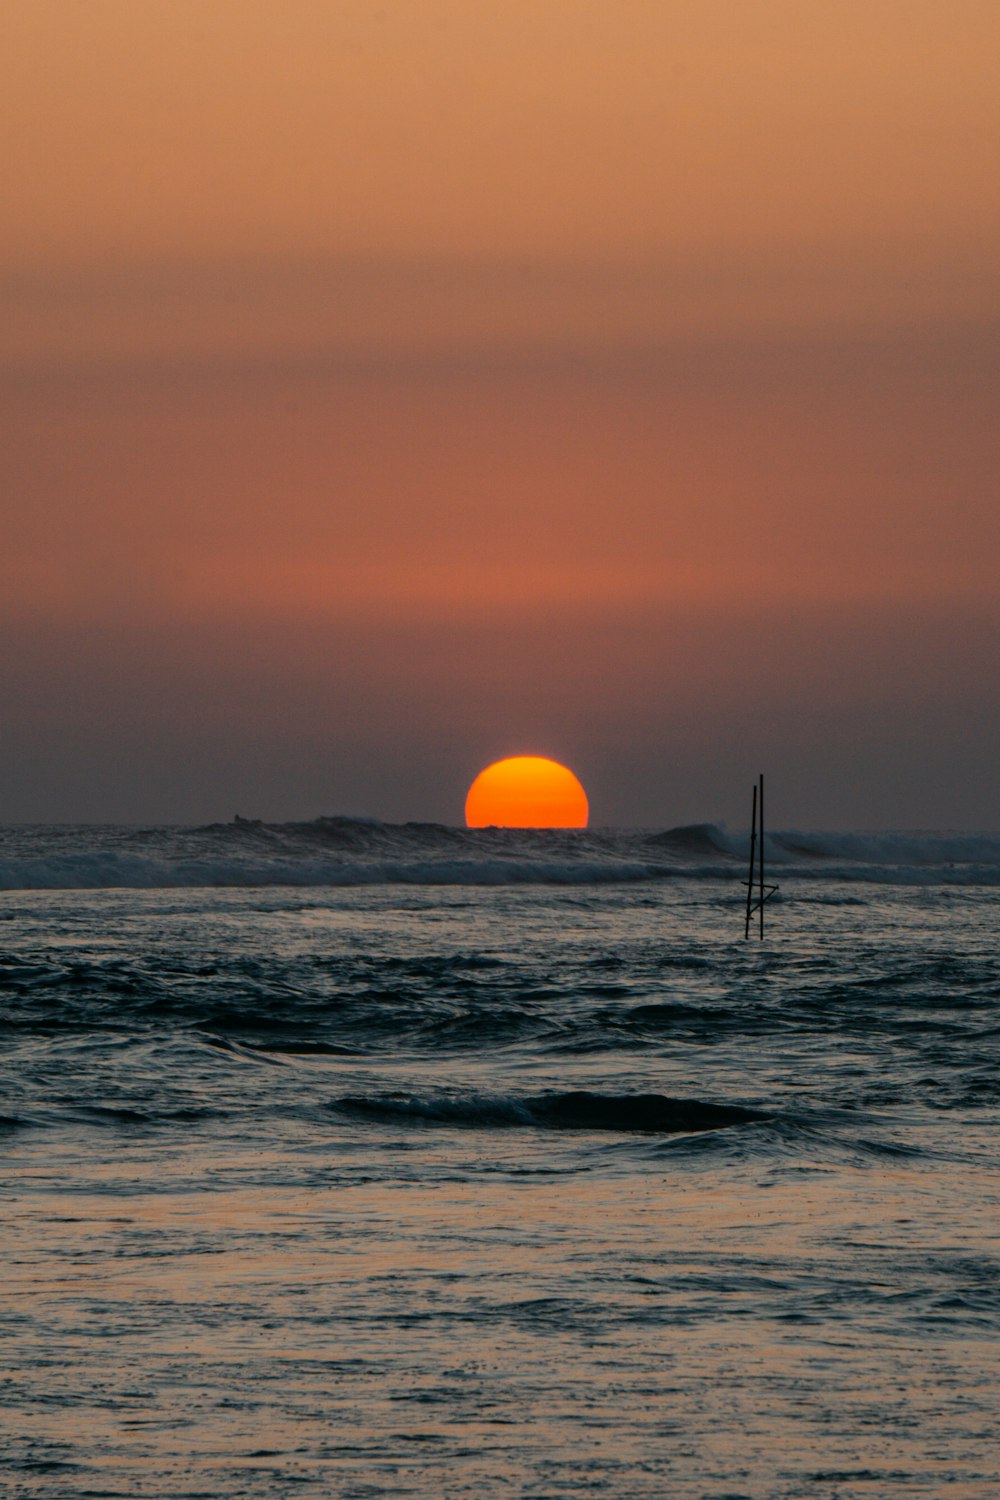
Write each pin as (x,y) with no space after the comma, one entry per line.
(355,1160)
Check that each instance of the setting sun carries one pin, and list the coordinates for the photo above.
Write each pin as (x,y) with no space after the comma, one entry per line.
(526,791)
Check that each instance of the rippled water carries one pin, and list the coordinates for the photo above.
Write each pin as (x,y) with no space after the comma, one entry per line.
(475,1190)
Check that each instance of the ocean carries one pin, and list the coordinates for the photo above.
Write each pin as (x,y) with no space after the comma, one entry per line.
(349,1159)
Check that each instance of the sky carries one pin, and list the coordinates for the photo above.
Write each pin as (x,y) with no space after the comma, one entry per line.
(392,387)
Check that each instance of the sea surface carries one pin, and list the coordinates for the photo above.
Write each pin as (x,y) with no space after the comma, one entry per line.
(356,1160)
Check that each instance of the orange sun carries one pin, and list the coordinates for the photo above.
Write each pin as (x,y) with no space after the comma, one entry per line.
(526,791)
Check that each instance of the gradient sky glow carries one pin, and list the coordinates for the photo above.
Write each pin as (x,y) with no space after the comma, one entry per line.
(391,388)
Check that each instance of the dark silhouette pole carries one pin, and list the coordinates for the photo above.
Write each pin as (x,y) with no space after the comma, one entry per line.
(753,842)
(764,891)
(763,898)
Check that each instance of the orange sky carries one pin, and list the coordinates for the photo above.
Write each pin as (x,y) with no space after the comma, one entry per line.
(650,347)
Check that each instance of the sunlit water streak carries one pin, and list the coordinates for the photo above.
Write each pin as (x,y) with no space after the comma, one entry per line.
(485,1189)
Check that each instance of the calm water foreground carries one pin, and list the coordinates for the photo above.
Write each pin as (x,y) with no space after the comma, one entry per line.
(528,1190)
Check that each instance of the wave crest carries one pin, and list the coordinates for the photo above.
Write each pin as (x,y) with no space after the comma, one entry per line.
(343,851)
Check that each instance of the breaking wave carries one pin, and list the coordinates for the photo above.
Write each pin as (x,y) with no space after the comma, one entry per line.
(341,851)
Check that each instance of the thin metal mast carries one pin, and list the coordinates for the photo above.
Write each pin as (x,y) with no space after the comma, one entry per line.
(753,841)
(755,879)
(763,898)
